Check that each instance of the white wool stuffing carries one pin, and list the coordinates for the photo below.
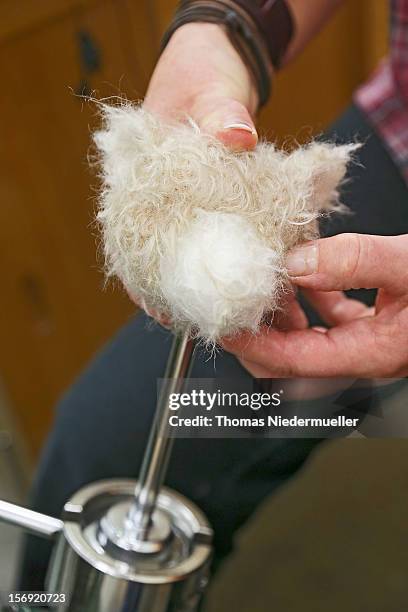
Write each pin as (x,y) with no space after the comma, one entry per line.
(224,282)
(200,233)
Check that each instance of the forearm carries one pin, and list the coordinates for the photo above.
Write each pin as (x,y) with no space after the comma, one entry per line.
(266,34)
(309,17)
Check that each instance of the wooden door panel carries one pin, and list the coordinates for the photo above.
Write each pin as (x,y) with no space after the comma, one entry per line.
(55,312)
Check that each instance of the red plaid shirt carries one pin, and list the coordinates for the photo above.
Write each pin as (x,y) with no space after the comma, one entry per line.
(385,97)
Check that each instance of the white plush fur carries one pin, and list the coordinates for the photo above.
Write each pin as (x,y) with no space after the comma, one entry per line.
(223,282)
(200,233)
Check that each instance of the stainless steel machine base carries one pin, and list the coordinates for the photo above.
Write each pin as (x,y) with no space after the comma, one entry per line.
(103,571)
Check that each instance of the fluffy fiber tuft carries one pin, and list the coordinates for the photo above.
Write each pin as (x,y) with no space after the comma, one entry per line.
(200,233)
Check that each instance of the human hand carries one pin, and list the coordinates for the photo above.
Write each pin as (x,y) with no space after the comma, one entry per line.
(362,342)
(201,75)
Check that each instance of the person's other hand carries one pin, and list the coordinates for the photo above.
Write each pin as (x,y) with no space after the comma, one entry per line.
(361,342)
(200,74)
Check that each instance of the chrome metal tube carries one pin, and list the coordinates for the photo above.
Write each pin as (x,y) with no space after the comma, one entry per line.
(159,446)
(35,522)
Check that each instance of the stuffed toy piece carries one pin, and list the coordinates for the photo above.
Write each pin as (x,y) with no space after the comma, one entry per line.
(199,233)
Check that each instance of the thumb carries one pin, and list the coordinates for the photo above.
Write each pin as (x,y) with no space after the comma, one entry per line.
(351,261)
(229,121)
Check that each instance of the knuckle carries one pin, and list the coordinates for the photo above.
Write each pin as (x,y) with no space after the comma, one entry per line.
(356,247)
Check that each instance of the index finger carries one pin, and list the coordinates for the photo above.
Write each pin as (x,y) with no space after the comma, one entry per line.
(346,350)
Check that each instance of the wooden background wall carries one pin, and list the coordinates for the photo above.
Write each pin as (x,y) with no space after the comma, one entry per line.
(54,311)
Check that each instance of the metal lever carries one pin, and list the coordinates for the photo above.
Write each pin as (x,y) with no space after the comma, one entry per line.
(159,446)
(34,522)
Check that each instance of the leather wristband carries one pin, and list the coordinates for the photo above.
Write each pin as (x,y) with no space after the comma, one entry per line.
(260,31)
(274,20)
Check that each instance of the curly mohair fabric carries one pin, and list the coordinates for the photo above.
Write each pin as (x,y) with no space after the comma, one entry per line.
(200,233)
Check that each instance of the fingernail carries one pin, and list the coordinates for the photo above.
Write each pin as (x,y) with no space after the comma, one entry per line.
(302,261)
(240,125)
(321,330)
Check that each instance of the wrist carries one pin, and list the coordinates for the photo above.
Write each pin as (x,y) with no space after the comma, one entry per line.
(228,62)
(259,31)
(209,64)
